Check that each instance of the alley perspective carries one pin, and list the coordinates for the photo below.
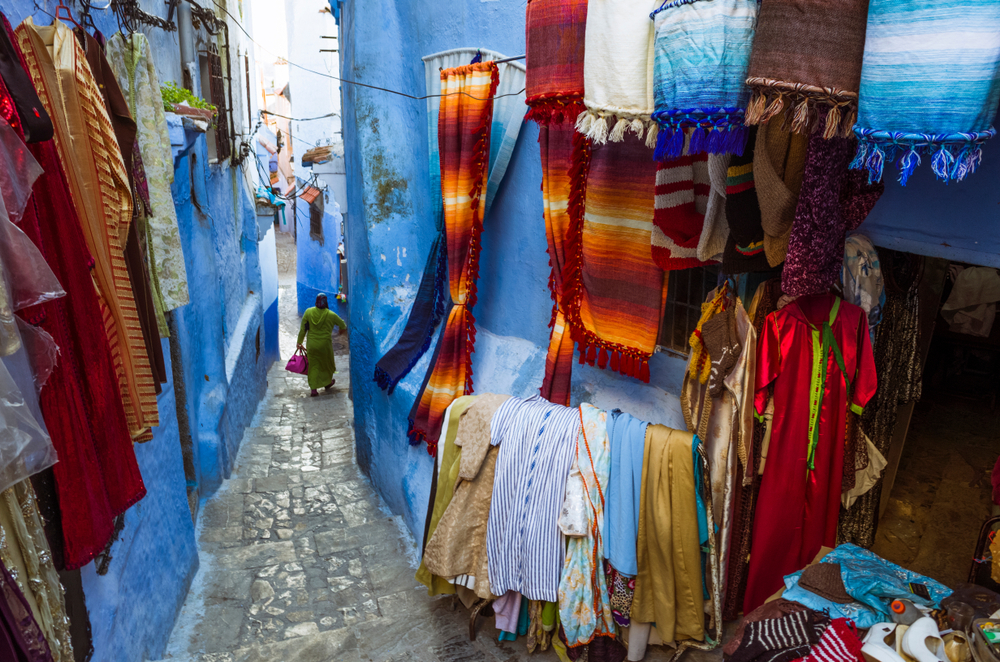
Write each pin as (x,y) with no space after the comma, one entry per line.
(499,330)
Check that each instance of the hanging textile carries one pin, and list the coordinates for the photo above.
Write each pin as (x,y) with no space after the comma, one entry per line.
(464,137)
(627,440)
(832,202)
(132,62)
(702,50)
(555,31)
(618,72)
(25,552)
(745,247)
(84,138)
(930,86)
(80,403)
(668,589)
(557,143)
(525,547)
(584,604)
(614,294)
(819,343)
(715,230)
(861,278)
(778,164)
(21,639)
(682,194)
(807,59)
(425,314)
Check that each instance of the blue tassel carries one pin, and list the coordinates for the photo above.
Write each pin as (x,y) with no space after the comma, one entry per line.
(942,162)
(875,164)
(737,139)
(700,141)
(669,144)
(907,164)
(860,157)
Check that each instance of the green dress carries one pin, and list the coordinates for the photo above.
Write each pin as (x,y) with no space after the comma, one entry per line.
(317,329)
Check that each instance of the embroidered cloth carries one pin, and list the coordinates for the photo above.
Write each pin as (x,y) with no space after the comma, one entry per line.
(702,50)
(806,58)
(930,86)
(464,137)
(614,293)
(555,31)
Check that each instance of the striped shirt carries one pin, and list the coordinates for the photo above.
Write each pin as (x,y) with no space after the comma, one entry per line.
(524,545)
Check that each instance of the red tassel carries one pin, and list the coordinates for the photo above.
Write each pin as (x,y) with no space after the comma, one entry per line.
(583,353)
(626,364)
(644,372)
(615,363)
(592,354)
(602,359)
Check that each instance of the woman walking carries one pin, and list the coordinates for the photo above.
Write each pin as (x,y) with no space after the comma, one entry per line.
(317,330)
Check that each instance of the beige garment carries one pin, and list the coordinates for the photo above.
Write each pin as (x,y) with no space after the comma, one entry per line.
(715,231)
(100,191)
(458,546)
(971,307)
(867,478)
(778,165)
(25,553)
(766,443)
(668,588)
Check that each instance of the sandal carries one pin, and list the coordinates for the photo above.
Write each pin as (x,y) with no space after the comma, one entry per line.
(876,647)
(313,393)
(330,385)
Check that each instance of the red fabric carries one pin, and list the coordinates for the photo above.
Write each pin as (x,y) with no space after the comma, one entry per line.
(797,509)
(97,476)
(839,643)
(995,479)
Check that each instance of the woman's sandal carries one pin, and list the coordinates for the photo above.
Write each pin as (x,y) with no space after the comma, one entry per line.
(330,385)
(313,393)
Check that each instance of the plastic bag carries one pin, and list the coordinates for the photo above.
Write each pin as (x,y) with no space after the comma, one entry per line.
(25,445)
(18,171)
(41,350)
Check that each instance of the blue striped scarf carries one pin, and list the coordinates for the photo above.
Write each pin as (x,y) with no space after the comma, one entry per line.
(930,86)
(702,51)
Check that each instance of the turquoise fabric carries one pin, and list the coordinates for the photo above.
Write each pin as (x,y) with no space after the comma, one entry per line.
(699,486)
(627,436)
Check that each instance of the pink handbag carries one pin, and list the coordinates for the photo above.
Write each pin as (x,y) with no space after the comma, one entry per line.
(299,363)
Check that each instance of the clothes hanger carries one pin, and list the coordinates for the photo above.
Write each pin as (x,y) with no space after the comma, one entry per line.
(68,18)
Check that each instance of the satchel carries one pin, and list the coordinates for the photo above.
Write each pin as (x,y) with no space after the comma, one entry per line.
(299,363)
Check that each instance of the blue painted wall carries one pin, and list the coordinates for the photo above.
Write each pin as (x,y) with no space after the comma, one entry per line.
(269,288)
(317,266)
(382,43)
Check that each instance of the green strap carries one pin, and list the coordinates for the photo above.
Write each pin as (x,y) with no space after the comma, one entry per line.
(829,343)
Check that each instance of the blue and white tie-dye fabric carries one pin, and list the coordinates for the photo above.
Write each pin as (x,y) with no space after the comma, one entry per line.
(930,85)
(702,51)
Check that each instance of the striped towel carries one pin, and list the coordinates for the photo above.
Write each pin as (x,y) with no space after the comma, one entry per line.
(555,31)
(702,50)
(682,191)
(614,294)
(464,139)
(930,86)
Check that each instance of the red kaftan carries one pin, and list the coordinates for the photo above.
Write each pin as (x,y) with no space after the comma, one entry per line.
(797,509)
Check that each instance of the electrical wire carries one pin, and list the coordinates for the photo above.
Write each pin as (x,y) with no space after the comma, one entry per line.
(300,119)
(358,83)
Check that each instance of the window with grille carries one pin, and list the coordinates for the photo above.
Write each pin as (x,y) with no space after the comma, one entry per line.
(217,84)
(685,294)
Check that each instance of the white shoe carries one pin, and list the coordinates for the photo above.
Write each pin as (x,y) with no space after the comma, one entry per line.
(876,648)
(923,642)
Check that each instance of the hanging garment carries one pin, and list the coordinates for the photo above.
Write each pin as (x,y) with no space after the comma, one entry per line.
(778,164)
(715,231)
(627,439)
(682,195)
(132,62)
(832,203)
(861,278)
(668,589)
(971,307)
(21,99)
(125,134)
(584,602)
(464,136)
(614,293)
(819,343)
(702,50)
(97,477)
(555,31)
(866,478)
(913,102)
(745,247)
(443,489)
(618,72)
(458,545)
(425,315)
(807,59)
(85,139)
(21,639)
(525,546)
(557,143)
(25,552)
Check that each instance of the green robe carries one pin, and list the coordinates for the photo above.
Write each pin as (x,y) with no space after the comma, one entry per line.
(317,329)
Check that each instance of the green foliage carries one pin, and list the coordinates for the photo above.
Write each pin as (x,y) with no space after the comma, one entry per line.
(173,94)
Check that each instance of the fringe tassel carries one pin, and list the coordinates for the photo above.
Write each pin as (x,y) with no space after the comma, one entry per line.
(651,135)
(637,126)
(755,110)
(907,164)
(602,359)
(618,133)
(584,122)
(800,119)
(832,127)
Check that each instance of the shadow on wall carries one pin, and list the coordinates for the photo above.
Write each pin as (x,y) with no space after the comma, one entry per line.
(317,263)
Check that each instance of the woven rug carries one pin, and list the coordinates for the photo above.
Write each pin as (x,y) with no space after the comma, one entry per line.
(555,31)
(464,123)
(556,142)
(618,72)
(614,293)
(930,86)
(807,57)
(702,50)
